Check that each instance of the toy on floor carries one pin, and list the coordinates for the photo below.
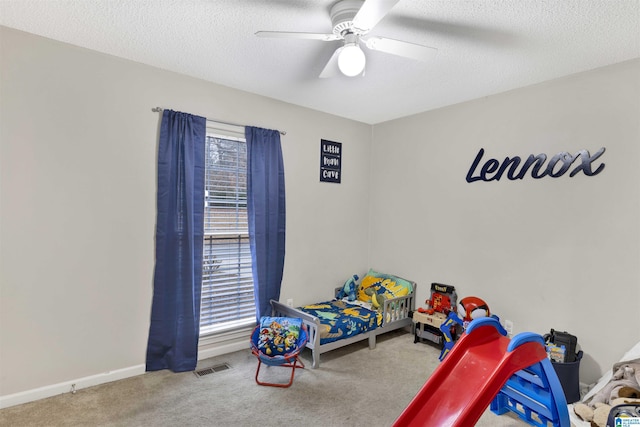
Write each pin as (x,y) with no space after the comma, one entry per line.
(600,415)
(473,375)
(469,308)
(619,414)
(623,388)
(442,300)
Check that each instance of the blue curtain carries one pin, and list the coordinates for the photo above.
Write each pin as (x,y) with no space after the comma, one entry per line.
(266,212)
(175,311)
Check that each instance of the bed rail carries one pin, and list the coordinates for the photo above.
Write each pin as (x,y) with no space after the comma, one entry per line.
(396,314)
(312,322)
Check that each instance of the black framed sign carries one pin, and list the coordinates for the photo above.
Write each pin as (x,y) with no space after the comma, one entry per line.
(330,161)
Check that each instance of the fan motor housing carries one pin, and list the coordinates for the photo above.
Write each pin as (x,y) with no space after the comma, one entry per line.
(342,14)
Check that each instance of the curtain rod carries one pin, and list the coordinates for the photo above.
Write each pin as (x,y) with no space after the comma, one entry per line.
(159,110)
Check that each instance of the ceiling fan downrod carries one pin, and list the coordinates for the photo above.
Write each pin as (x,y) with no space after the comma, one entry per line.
(342,14)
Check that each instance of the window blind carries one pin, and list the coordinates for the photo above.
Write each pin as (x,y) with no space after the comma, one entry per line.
(227,280)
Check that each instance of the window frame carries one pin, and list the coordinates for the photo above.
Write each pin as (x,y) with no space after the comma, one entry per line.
(242,324)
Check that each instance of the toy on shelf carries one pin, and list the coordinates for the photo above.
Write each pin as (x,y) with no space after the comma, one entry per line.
(469,308)
(443,299)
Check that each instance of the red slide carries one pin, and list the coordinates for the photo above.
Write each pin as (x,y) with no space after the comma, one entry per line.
(464,384)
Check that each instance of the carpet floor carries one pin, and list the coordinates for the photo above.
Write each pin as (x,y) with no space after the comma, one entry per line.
(354,386)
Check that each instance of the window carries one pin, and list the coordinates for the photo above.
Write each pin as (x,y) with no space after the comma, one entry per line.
(227,281)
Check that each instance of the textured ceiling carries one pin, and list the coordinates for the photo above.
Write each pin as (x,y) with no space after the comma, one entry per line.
(484,46)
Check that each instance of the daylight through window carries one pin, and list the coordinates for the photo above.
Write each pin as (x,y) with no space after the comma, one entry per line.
(227,281)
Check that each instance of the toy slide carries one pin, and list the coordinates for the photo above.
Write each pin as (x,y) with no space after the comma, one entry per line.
(464,384)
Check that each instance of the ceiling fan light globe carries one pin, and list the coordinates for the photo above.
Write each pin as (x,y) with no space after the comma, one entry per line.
(351,60)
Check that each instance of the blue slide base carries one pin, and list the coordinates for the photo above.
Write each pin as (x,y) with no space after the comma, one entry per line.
(535,395)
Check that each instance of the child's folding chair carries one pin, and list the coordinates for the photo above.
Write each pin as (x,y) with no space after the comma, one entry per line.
(277,341)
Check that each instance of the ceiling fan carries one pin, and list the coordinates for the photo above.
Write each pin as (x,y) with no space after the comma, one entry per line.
(352,20)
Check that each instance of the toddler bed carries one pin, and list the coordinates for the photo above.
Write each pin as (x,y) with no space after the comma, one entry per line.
(339,322)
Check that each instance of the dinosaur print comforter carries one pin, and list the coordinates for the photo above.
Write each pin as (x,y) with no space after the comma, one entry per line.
(341,319)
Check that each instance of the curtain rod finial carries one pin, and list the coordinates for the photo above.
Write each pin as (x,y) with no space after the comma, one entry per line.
(156,110)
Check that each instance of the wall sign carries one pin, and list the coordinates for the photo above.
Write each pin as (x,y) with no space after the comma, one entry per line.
(330,161)
(493,170)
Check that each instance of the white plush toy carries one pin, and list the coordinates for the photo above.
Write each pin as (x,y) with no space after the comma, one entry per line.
(623,388)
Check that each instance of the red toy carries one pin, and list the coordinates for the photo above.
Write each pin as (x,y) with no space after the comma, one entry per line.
(471,308)
(461,388)
(440,300)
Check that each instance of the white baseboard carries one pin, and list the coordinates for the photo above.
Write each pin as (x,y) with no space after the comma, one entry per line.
(223,343)
(69,386)
(219,351)
(209,347)
(93,380)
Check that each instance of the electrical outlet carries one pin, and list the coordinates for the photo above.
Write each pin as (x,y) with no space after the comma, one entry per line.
(508,326)
(290,302)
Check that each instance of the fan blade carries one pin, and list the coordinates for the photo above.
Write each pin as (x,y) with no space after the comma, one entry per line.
(371,12)
(400,48)
(291,35)
(331,69)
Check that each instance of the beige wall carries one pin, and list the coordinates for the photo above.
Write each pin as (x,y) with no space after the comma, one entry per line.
(560,253)
(77,160)
(77,199)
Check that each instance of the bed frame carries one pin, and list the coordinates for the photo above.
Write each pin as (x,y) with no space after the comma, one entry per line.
(396,314)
